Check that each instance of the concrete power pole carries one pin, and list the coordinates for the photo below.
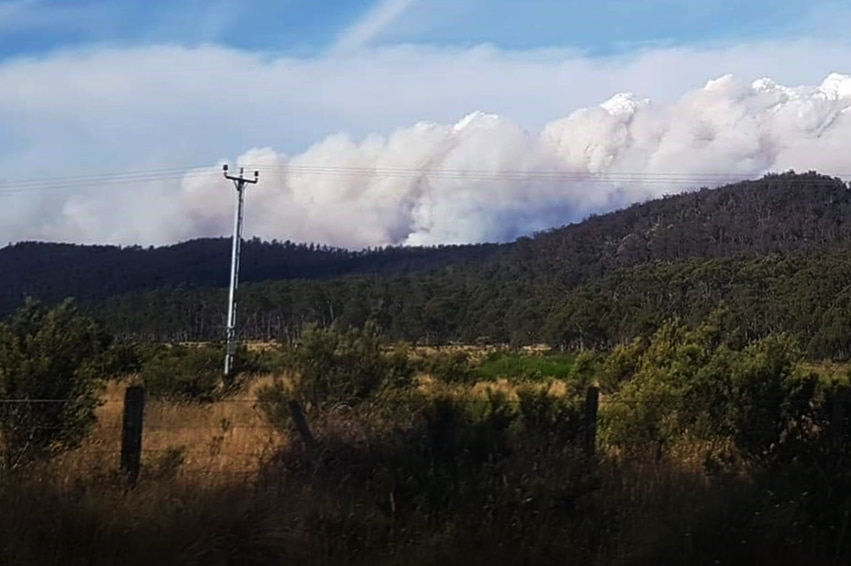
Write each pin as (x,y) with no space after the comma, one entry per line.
(239,182)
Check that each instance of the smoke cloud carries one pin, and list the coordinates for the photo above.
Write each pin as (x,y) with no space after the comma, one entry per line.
(485,178)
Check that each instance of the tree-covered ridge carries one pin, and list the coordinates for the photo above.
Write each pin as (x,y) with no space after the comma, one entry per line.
(92,274)
(778,213)
(805,294)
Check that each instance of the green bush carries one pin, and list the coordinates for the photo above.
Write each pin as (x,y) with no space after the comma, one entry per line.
(450,367)
(400,368)
(334,366)
(688,385)
(272,401)
(123,359)
(444,458)
(540,412)
(183,373)
(587,368)
(49,379)
(620,365)
(195,372)
(274,361)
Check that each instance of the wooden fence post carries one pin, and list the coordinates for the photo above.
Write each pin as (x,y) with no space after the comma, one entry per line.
(301,425)
(131,433)
(592,402)
(837,417)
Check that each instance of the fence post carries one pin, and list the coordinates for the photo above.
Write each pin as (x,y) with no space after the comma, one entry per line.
(592,402)
(837,417)
(301,425)
(131,433)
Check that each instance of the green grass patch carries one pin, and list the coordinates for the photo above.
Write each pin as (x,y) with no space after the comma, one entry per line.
(512,365)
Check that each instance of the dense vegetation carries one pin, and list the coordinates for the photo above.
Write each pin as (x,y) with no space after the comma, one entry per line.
(710,450)
(91,274)
(56,357)
(805,294)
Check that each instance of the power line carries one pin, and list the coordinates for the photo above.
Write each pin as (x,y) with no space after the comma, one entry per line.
(59,183)
(101,181)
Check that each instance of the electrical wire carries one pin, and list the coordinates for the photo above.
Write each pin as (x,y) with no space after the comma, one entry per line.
(93,181)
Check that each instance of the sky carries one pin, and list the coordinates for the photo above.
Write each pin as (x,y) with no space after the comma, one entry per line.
(304,27)
(320,92)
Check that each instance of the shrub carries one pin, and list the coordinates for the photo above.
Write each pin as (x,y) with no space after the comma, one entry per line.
(123,359)
(540,412)
(450,367)
(587,368)
(264,362)
(687,385)
(400,368)
(49,381)
(334,366)
(183,373)
(621,365)
(272,401)
(445,458)
(195,373)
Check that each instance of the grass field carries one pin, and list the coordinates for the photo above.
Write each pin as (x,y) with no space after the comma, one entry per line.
(220,486)
(229,436)
(518,366)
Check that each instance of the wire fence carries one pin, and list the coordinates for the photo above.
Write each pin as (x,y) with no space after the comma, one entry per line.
(234,436)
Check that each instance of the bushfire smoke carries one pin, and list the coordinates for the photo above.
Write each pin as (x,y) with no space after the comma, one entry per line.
(487,179)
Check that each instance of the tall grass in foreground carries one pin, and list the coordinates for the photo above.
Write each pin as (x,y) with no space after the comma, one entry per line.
(644,512)
(404,479)
(707,454)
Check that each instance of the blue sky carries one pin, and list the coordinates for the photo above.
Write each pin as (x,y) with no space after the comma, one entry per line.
(308,27)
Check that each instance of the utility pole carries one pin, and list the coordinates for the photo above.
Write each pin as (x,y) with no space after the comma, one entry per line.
(239,183)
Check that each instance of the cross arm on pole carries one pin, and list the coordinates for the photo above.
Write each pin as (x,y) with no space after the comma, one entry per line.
(241,178)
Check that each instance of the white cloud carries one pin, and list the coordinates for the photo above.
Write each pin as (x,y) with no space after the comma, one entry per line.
(162,107)
(369,27)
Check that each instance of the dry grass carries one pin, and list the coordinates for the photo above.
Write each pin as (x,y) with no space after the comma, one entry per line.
(430,386)
(644,511)
(475,353)
(229,436)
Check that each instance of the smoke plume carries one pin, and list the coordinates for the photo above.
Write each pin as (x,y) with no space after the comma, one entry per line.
(487,179)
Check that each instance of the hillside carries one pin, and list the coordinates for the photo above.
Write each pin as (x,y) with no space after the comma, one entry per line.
(776,214)
(91,274)
(804,294)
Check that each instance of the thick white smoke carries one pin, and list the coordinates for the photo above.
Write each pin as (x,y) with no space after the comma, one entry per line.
(486,179)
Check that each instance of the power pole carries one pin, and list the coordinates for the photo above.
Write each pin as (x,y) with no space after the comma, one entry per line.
(239,182)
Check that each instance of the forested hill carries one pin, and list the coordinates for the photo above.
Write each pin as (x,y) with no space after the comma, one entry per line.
(778,213)
(91,274)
